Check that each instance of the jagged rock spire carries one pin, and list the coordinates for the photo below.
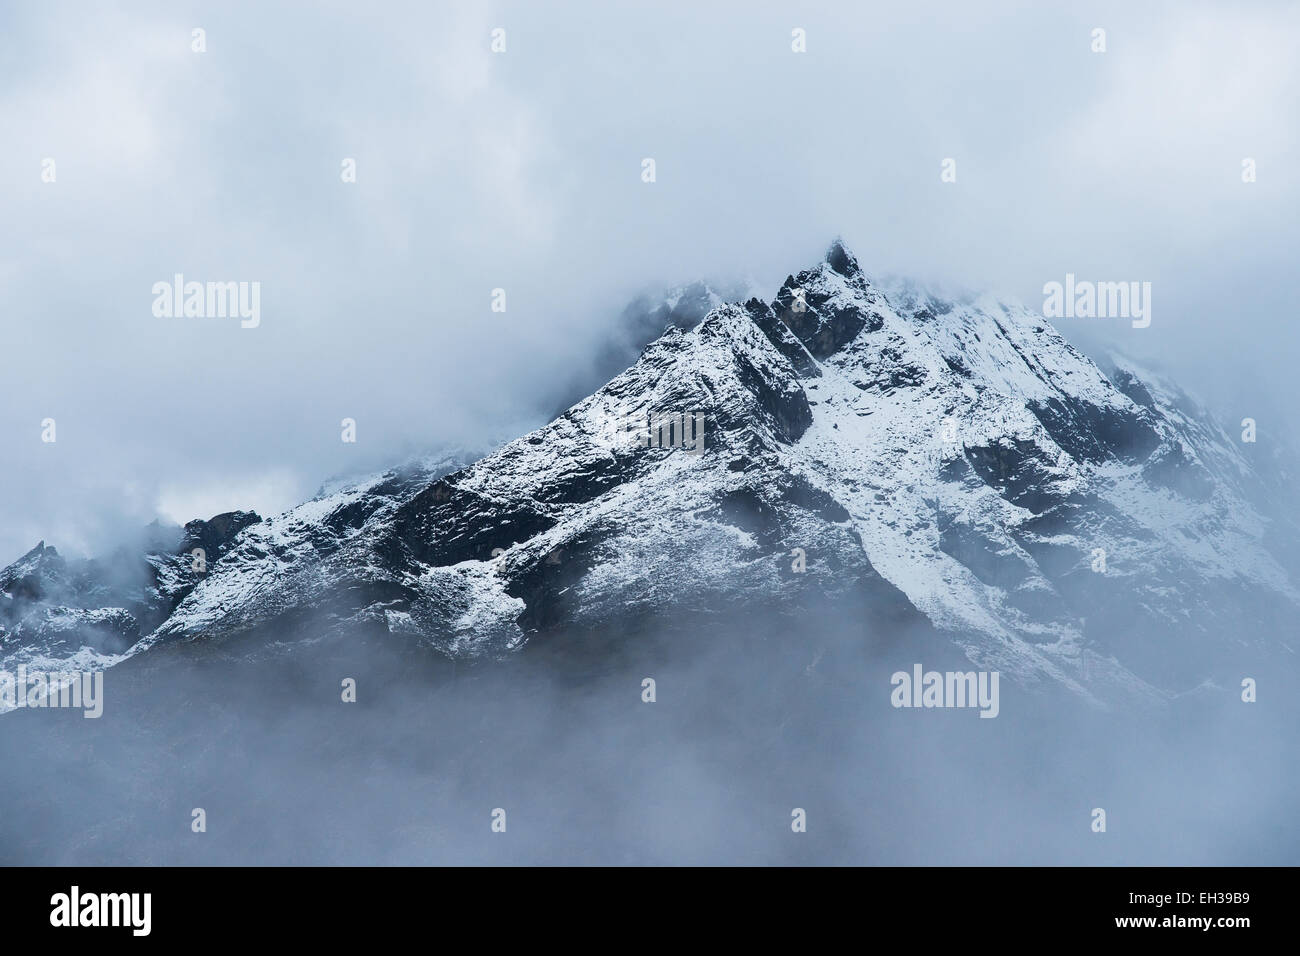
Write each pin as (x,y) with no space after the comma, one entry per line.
(841,260)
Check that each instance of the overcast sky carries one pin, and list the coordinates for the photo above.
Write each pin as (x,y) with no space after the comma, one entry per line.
(522,170)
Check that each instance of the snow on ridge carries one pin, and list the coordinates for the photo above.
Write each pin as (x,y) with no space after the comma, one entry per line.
(943,429)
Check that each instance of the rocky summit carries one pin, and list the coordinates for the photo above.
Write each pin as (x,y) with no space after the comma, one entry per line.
(955,463)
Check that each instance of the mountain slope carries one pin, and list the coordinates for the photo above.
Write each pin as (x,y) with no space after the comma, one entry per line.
(951,463)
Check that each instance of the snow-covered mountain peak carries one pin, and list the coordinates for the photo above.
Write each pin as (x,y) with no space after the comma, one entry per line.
(953,462)
(841,260)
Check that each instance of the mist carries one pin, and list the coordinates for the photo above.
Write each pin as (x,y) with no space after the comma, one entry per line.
(753,718)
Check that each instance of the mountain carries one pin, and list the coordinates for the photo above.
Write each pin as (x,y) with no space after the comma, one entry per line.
(642,321)
(953,467)
(93,610)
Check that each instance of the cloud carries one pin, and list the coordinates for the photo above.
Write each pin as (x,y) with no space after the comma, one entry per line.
(521,171)
(269,493)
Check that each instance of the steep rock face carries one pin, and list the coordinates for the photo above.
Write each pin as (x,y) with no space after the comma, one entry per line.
(216,535)
(956,463)
(642,321)
(827,307)
(39,572)
(52,608)
(1039,503)
(575,525)
(328,562)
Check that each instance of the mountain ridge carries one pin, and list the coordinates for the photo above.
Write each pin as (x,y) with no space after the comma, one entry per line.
(955,461)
